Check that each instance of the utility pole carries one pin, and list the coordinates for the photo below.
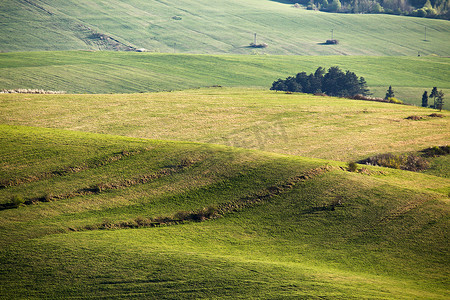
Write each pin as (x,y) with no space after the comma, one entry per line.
(332,34)
(254,42)
(425,33)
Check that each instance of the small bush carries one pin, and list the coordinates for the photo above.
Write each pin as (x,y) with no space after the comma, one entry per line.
(436,151)
(408,162)
(352,167)
(142,222)
(415,163)
(395,100)
(17,200)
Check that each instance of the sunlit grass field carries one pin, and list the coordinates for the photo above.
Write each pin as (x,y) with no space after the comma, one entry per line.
(296,124)
(115,72)
(224,27)
(176,174)
(385,240)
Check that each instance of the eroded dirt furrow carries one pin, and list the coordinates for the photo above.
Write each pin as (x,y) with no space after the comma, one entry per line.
(214,211)
(70,169)
(104,187)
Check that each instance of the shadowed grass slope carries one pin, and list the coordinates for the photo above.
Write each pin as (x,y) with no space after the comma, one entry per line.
(385,237)
(298,124)
(200,26)
(119,72)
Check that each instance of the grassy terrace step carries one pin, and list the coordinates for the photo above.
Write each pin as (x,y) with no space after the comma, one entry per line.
(306,125)
(199,26)
(386,239)
(120,72)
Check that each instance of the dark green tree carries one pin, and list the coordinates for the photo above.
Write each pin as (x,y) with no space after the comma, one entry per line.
(331,84)
(279,85)
(433,95)
(389,93)
(425,99)
(293,85)
(363,89)
(439,100)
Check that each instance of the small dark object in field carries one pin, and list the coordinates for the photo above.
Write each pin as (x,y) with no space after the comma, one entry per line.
(435,115)
(178,18)
(263,45)
(415,118)
(332,42)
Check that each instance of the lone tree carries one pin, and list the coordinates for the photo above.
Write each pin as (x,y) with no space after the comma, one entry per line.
(439,102)
(390,93)
(425,99)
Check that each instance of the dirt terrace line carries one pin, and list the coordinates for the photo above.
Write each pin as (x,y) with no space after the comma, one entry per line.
(104,187)
(213,212)
(71,169)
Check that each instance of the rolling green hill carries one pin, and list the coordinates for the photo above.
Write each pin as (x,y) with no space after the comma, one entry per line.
(119,72)
(284,226)
(215,187)
(201,26)
(296,124)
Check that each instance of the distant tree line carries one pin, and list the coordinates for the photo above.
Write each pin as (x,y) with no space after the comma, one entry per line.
(335,82)
(417,8)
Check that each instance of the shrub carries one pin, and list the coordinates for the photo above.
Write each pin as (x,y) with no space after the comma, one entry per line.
(352,166)
(332,42)
(394,100)
(408,162)
(17,200)
(182,215)
(436,151)
(141,221)
(415,163)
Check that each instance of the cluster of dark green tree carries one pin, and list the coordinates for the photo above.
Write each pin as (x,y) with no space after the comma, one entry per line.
(437,96)
(335,82)
(417,8)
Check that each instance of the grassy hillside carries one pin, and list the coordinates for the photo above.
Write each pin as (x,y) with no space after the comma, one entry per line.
(201,26)
(306,125)
(114,72)
(287,226)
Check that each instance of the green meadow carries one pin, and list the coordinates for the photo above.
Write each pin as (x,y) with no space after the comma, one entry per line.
(281,237)
(175,173)
(225,27)
(295,124)
(122,72)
